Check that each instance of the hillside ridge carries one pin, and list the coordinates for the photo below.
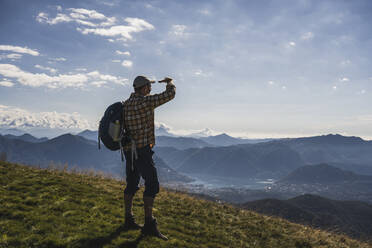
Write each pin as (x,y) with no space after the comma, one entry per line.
(51,208)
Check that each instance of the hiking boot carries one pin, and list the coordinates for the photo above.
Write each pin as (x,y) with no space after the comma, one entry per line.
(130,223)
(151,229)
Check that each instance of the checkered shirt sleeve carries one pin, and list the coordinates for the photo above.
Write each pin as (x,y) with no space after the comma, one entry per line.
(139,115)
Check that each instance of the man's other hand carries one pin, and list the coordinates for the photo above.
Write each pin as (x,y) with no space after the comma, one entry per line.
(166,80)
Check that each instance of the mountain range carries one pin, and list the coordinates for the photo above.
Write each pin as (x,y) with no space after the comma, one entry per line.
(273,158)
(165,138)
(351,217)
(323,174)
(77,152)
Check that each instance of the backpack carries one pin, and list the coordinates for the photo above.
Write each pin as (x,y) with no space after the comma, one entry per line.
(111,129)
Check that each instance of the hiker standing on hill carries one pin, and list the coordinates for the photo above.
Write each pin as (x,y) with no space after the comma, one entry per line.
(139,121)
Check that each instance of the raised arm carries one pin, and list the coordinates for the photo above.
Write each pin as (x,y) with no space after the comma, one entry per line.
(159,99)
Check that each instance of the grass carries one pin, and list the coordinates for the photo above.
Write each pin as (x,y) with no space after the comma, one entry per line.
(54,208)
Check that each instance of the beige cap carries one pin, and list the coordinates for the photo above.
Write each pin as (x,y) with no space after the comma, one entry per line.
(140,81)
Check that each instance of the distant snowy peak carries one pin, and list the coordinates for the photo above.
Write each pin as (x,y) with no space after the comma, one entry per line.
(162,129)
(203,133)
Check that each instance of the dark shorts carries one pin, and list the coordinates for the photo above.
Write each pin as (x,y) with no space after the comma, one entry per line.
(143,166)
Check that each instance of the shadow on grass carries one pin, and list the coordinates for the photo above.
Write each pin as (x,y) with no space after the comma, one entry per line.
(102,241)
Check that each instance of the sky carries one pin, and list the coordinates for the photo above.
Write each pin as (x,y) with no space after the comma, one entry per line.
(254,69)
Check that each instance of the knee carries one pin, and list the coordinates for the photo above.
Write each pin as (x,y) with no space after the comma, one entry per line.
(131,188)
(151,189)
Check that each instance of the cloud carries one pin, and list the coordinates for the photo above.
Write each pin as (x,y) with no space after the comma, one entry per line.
(53,60)
(127,63)
(12,56)
(334,87)
(81,16)
(18,49)
(344,79)
(205,12)
(13,117)
(135,25)
(178,30)
(116,60)
(292,44)
(44,18)
(51,70)
(307,36)
(345,62)
(96,75)
(99,84)
(93,22)
(79,80)
(6,83)
(200,73)
(126,53)
(271,82)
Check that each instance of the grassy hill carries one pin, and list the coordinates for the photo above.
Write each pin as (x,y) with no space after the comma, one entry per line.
(51,208)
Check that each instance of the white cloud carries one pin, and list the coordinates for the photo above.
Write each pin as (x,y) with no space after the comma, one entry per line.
(126,53)
(344,79)
(6,83)
(205,12)
(88,14)
(271,82)
(83,17)
(292,44)
(178,30)
(79,80)
(97,76)
(13,117)
(123,31)
(362,92)
(93,22)
(345,62)
(201,73)
(307,36)
(284,87)
(18,49)
(116,60)
(334,87)
(44,18)
(127,63)
(59,8)
(51,70)
(12,56)
(52,60)
(81,69)
(111,4)
(98,84)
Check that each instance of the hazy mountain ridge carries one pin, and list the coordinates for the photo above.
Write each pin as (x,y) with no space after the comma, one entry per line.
(77,152)
(350,217)
(332,149)
(26,137)
(323,174)
(246,160)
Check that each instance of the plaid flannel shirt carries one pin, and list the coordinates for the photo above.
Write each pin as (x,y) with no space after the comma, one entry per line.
(139,115)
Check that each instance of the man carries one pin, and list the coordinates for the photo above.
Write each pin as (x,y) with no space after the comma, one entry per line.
(139,121)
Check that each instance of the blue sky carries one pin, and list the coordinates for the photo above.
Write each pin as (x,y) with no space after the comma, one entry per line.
(247,68)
